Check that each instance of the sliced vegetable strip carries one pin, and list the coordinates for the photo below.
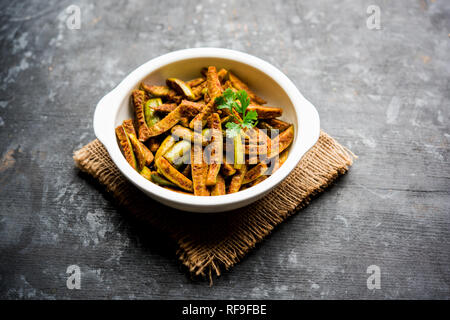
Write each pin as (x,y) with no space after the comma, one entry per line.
(199,168)
(149,111)
(184,121)
(278,124)
(227,169)
(165,108)
(281,142)
(203,115)
(182,132)
(238,84)
(128,126)
(138,100)
(159,91)
(214,90)
(146,173)
(198,90)
(165,146)
(198,173)
(255,172)
(239,159)
(227,85)
(126,147)
(221,74)
(265,126)
(179,152)
(180,87)
(263,142)
(236,181)
(173,174)
(156,178)
(252,147)
(216,149)
(191,108)
(170,120)
(279,161)
(213,83)
(143,155)
(188,134)
(265,112)
(219,187)
(195,82)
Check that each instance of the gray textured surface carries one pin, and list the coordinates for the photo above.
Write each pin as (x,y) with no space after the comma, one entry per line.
(383,93)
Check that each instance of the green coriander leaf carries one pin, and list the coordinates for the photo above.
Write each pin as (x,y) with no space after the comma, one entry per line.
(238,107)
(224,106)
(250,119)
(226,101)
(249,125)
(243,99)
(240,104)
(233,129)
(251,115)
(219,101)
(239,101)
(228,94)
(232,125)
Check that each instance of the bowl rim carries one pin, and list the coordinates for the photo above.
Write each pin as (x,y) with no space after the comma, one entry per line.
(107,108)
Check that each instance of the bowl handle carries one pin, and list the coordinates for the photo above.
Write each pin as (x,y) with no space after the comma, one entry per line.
(101,116)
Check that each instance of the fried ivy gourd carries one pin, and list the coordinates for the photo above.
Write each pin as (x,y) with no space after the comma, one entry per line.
(207,136)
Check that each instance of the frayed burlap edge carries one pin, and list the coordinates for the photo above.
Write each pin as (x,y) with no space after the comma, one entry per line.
(210,243)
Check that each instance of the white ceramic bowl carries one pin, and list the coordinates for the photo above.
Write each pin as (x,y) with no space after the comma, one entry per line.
(262,77)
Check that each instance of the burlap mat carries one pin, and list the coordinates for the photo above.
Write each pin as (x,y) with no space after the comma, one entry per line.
(209,243)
